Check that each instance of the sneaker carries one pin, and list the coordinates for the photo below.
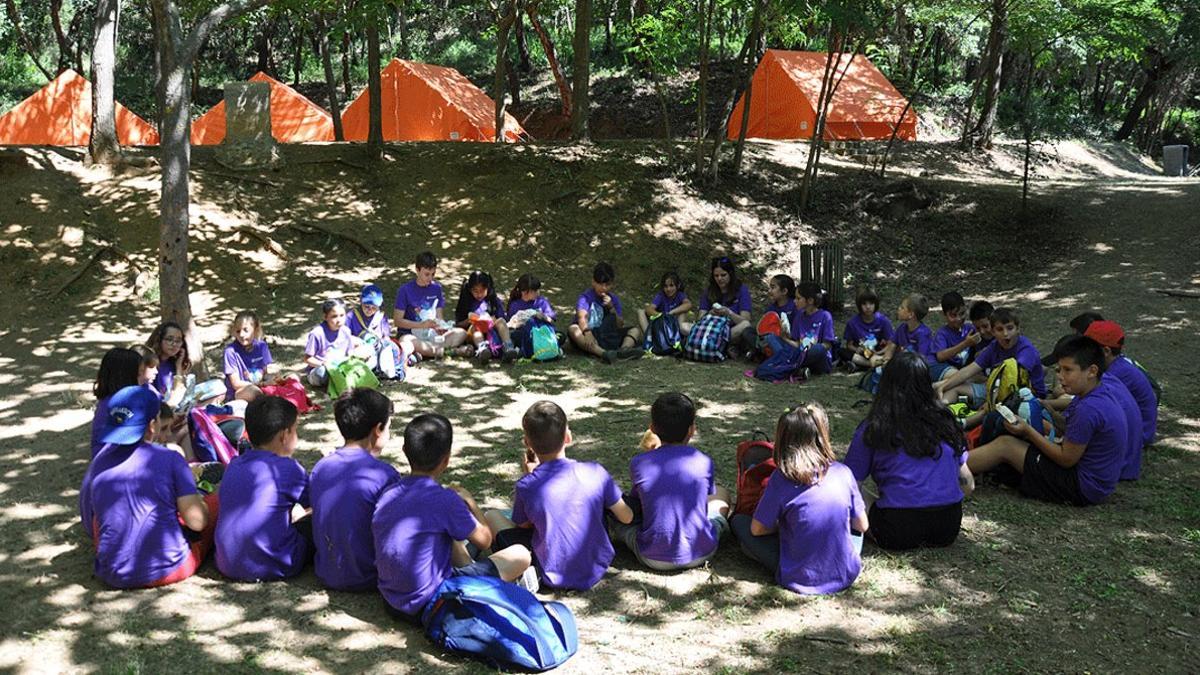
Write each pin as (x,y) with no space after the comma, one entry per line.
(610,356)
(465,351)
(482,355)
(529,580)
(630,353)
(510,354)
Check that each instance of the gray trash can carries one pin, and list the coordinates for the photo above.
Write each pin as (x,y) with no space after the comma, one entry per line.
(1175,160)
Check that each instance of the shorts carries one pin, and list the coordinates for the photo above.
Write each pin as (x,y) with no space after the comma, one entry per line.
(627,535)
(900,529)
(479,568)
(1046,481)
(978,394)
(937,371)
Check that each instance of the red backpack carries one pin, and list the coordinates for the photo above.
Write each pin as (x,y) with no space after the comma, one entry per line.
(756,463)
(769,324)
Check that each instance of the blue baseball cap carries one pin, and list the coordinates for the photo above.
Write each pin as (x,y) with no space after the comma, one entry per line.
(130,411)
(372,295)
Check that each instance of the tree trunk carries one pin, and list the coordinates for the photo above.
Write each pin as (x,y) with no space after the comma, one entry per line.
(560,77)
(522,47)
(262,46)
(706,16)
(994,67)
(608,25)
(14,17)
(402,20)
(829,81)
(346,65)
(103,145)
(503,25)
(330,79)
(66,55)
(937,60)
(581,69)
(375,94)
(749,58)
(297,52)
(1158,67)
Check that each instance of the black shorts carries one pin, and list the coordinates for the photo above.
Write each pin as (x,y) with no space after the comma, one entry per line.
(904,529)
(1043,479)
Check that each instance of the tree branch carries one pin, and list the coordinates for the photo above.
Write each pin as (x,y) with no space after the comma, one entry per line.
(219,14)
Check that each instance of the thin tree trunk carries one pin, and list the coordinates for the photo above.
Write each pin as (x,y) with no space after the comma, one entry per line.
(994,68)
(522,46)
(330,79)
(503,26)
(14,17)
(66,55)
(297,52)
(560,77)
(375,94)
(1154,75)
(346,65)
(749,61)
(828,89)
(581,70)
(103,145)
(402,19)
(706,15)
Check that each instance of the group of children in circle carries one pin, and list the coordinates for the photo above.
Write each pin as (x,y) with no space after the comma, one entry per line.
(367,527)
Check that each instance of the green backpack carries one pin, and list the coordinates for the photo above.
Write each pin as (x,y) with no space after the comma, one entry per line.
(351,374)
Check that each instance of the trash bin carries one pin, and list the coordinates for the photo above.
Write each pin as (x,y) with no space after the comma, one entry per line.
(1175,160)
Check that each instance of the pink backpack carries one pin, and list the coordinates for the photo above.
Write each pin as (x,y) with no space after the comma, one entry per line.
(208,441)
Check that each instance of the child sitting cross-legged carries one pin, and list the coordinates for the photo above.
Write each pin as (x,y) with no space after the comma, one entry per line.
(806,528)
(559,506)
(952,342)
(264,533)
(419,528)
(867,333)
(345,486)
(684,513)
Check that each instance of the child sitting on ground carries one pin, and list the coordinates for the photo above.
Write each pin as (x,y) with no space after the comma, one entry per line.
(418,313)
(481,314)
(599,328)
(807,526)
(670,299)
(912,334)
(953,341)
(419,527)
(558,509)
(329,344)
(981,318)
(1111,337)
(264,533)
(371,326)
(247,358)
(684,512)
(1084,468)
(1008,343)
(151,526)
(812,329)
(345,486)
(781,305)
(867,333)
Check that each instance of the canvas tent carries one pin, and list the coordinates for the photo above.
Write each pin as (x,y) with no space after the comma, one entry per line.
(786,87)
(60,113)
(429,103)
(294,118)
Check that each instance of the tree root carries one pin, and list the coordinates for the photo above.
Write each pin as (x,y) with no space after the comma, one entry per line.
(87,264)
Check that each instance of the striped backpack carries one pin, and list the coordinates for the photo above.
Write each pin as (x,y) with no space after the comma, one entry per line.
(708,339)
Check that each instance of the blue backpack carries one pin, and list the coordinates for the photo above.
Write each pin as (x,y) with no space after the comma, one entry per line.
(500,623)
(784,361)
(664,337)
(540,343)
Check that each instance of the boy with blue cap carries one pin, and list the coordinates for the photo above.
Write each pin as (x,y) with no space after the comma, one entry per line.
(140,495)
(371,326)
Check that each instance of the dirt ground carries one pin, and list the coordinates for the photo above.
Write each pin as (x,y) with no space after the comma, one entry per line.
(1027,587)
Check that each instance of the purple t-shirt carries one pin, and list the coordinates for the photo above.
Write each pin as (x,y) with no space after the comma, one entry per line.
(1026,355)
(816,555)
(664,304)
(98,420)
(540,304)
(134,496)
(255,538)
(904,481)
(376,324)
(345,486)
(164,381)
(787,308)
(810,329)
(1131,466)
(946,337)
(589,301)
(248,364)
(871,334)
(741,304)
(419,303)
(565,501)
(324,343)
(674,483)
(919,341)
(1139,386)
(414,526)
(1096,421)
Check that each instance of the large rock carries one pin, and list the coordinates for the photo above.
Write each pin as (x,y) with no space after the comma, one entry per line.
(248,140)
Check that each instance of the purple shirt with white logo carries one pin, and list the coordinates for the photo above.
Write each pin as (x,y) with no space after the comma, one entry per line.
(589,301)
(249,364)
(415,525)
(1095,420)
(565,501)
(1139,386)
(134,494)
(325,343)
(345,485)
(919,341)
(1027,357)
(737,306)
(419,303)
(871,335)
(946,337)
(673,483)
(816,554)
(664,304)
(904,481)
(255,537)
(540,304)
(377,324)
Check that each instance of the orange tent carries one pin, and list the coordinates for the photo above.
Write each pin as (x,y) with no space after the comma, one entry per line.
(786,87)
(429,103)
(294,118)
(60,113)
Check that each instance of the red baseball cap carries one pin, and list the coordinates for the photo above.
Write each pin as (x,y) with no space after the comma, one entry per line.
(1107,333)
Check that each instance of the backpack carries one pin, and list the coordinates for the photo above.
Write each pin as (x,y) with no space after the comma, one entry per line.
(500,624)
(209,443)
(351,374)
(708,339)
(664,337)
(540,343)
(755,464)
(1004,382)
(869,382)
(783,363)
(294,391)
(771,323)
